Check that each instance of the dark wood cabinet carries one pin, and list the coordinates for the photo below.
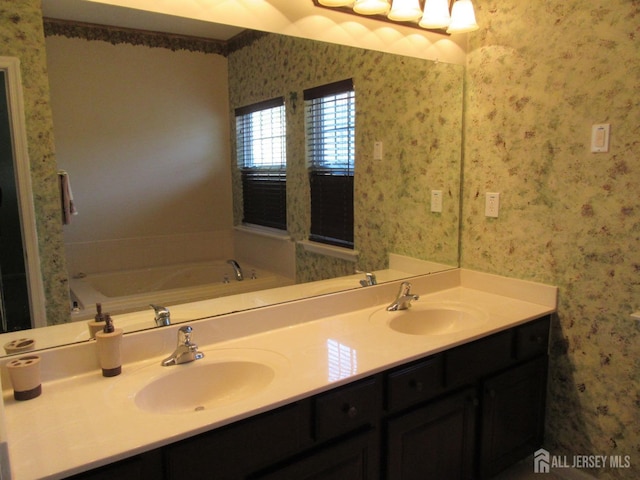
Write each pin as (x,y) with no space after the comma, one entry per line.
(356,458)
(415,383)
(471,411)
(235,451)
(304,429)
(434,441)
(513,405)
(347,408)
(146,466)
(464,413)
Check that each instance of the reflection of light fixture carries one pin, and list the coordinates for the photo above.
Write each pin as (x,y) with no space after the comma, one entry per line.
(371,7)
(405,11)
(427,14)
(335,3)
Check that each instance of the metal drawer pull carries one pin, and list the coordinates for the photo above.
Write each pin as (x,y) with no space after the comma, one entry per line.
(417,385)
(350,410)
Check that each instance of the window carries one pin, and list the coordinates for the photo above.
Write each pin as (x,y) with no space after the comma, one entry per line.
(261,156)
(330,124)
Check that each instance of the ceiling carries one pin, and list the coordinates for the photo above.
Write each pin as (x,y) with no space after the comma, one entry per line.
(89,12)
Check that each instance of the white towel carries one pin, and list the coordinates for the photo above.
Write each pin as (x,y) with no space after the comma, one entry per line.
(66,196)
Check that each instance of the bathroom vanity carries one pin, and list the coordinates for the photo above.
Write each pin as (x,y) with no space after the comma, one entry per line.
(352,395)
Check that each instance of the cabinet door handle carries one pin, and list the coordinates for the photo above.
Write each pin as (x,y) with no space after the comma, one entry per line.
(417,385)
(350,410)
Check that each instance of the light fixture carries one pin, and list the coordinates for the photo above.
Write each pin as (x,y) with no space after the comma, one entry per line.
(436,14)
(463,18)
(425,14)
(371,7)
(405,11)
(335,3)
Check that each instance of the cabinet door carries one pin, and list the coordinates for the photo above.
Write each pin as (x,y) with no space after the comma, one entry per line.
(353,459)
(513,407)
(435,441)
(146,466)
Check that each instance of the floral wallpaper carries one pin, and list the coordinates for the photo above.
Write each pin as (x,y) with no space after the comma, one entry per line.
(413,106)
(21,36)
(538,75)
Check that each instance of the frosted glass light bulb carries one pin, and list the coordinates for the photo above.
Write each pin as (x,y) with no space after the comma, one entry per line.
(335,3)
(463,17)
(405,10)
(371,7)
(436,14)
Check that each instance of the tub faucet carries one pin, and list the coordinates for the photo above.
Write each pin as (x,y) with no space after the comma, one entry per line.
(186,351)
(403,299)
(163,316)
(236,269)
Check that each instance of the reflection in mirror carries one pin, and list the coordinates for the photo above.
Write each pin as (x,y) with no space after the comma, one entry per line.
(21,287)
(147,138)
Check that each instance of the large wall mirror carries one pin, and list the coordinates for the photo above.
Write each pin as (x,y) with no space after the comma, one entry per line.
(145,135)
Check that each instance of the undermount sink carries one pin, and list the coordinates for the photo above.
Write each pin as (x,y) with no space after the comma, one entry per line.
(221,378)
(432,319)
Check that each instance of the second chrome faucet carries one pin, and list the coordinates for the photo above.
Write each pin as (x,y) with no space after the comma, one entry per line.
(403,299)
(186,351)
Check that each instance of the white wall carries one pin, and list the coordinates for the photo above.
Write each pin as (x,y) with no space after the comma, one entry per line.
(144,135)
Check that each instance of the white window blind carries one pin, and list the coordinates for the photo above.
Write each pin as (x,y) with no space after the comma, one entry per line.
(330,124)
(261,157)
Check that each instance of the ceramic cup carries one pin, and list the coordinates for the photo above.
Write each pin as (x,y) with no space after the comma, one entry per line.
(24,373)
(19,345)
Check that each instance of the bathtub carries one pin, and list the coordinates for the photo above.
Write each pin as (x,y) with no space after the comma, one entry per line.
(130,290)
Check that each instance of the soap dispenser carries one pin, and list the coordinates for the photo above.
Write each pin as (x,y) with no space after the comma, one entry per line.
(97,323)
(108,342)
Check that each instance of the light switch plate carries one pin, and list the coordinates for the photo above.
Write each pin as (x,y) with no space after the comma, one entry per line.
(436,201)
(377,150)
(600,138)
(492,205)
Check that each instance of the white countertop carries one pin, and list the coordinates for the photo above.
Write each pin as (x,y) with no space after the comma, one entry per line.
(83,420)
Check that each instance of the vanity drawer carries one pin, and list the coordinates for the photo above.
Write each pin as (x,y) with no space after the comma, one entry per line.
(418,382)
(468,363)
(532,339)
(348,408)
(242,447)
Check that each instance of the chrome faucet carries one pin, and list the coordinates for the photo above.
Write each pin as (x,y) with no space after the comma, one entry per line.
(369,280)
(403,299)
(186,351)
(163,316)
(236,269)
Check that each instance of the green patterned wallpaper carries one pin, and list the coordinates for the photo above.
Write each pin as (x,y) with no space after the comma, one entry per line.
(539,74)
(413,106)
(21,36)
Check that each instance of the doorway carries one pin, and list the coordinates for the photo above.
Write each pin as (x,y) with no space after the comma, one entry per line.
(22,301)
(15,311)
